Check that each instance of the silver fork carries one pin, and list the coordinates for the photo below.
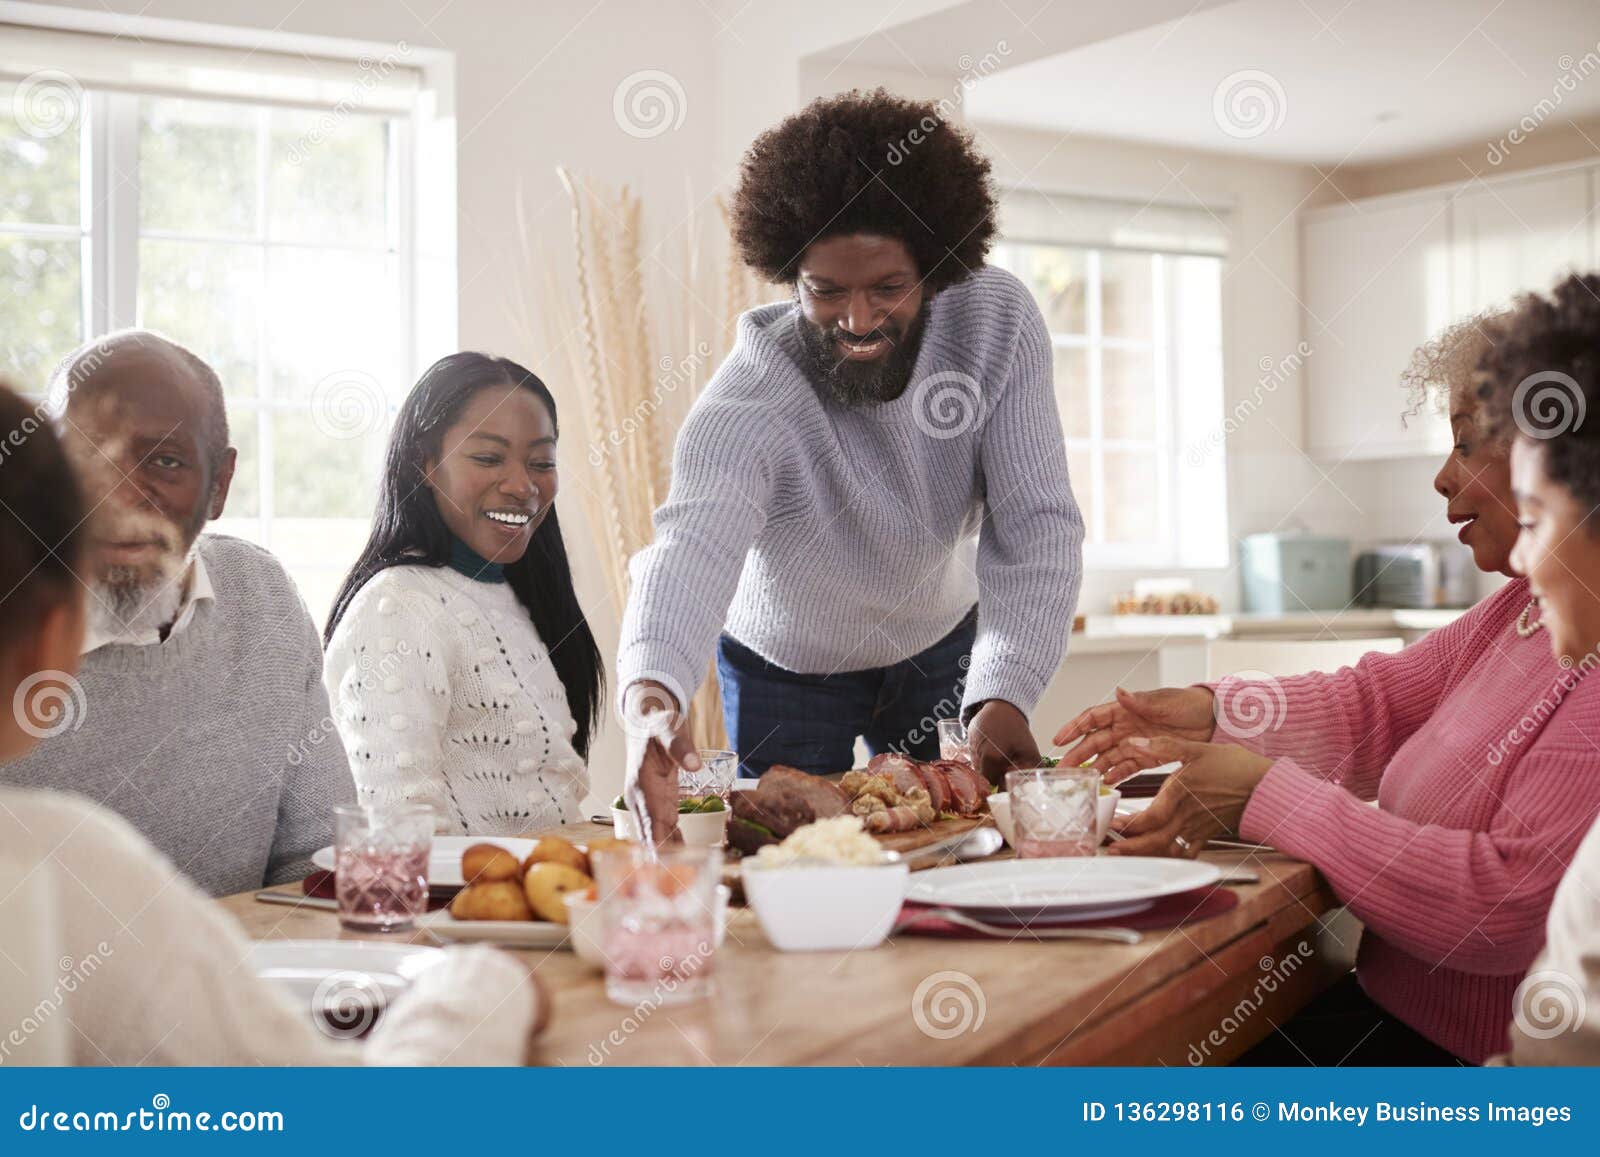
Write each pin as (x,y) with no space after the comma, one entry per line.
(1115,935)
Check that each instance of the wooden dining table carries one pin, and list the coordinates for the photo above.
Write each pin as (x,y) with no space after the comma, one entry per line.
(1202,992)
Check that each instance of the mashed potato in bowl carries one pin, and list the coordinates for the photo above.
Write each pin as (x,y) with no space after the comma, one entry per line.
(841,840)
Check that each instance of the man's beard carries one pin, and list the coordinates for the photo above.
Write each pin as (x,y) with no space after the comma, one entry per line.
(856,385)
(135,599)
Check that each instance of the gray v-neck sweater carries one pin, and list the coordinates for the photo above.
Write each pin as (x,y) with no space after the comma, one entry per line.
(828,539)
(217,744)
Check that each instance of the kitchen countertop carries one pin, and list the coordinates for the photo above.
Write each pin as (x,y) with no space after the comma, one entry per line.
(1117,634)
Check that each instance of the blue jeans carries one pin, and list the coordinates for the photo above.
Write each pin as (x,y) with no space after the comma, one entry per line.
(812,721)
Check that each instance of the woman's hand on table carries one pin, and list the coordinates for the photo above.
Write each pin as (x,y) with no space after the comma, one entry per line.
(1103,733)
(650,715)
(1203,799)
(1000,740)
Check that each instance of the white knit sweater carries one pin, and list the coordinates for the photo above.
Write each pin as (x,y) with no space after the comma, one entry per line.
(123,961)
(444,694)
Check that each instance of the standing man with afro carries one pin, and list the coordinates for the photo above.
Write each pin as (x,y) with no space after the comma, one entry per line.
(870,519)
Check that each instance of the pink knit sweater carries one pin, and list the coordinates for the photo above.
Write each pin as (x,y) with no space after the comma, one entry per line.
(1484,756)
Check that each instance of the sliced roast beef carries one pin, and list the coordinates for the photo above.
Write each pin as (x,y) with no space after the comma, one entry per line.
(968,787)
(939,789)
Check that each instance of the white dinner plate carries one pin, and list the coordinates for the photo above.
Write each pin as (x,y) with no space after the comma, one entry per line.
(1068,886)
(506,933)
(345,983)
(444,864)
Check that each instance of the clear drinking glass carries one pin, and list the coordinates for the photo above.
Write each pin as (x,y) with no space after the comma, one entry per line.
(953,741)
(658,923)
(381,858)
(715,777)
(1054,811)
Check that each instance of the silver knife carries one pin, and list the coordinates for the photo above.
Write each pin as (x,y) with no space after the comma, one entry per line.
(295,901)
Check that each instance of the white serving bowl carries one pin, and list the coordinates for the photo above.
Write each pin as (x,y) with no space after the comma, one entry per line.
(700,829)
(586,924)
(822,907)
(704,829)
(1000,808)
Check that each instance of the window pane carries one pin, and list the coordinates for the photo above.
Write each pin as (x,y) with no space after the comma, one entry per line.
(1127,295)
(320,472)
(1080,476)
(318,553)
(1197,300)
(244,435)
(328,179)
(334,318)
(41,306)
(1133,496)
(39,152)
(205,297)
(1058,278)
(197,167)
(1130,394)
(1072,390)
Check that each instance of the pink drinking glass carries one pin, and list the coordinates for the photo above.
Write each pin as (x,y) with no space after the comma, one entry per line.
(953,741)
(381,865)
(1054,811)
(658,923)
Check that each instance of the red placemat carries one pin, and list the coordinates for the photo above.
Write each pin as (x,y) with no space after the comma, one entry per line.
(1168,912)
(320,885)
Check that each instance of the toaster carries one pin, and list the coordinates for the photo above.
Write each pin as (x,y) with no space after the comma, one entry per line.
(1416,574)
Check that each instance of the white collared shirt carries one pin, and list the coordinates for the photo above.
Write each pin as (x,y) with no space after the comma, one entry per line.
(197,588)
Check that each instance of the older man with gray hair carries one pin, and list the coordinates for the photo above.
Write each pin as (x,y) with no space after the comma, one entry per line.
(202,718)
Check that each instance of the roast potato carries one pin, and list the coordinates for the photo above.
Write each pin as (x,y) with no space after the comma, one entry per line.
(484,863)
(493,900)
(545,886)
(555,850)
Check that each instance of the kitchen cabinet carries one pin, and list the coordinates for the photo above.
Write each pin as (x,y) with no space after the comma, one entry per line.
(1376,277)
(1382,276)
(1515,235)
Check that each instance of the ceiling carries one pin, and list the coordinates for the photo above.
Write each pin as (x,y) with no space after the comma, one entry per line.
(1319,81)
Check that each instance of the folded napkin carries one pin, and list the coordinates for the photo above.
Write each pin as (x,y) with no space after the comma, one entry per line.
(320,885)
(1167,912)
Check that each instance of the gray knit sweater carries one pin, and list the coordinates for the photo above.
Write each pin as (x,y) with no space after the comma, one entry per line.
(827,539)
(217,744)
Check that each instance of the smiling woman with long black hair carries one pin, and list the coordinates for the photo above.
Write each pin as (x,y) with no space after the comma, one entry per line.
(461,669)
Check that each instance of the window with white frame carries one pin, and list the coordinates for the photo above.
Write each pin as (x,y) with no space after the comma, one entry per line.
(1137,337)
(272,238)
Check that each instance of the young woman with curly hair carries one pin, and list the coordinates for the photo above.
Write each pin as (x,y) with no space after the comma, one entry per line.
(1541,386)
(869,502)
(1473,742)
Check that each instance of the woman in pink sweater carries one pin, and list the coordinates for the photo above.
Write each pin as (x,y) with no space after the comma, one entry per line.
(1475,743)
